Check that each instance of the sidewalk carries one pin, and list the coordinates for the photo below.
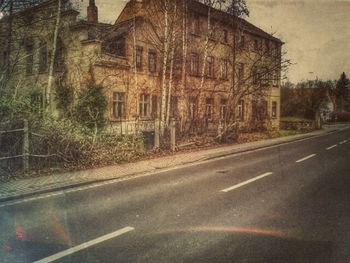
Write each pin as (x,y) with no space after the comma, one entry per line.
(28,187)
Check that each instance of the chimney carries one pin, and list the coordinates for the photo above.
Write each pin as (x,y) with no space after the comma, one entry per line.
(92,12)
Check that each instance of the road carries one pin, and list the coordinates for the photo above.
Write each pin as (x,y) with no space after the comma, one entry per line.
(289,203)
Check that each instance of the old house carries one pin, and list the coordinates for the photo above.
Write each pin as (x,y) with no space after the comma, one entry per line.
(182,60)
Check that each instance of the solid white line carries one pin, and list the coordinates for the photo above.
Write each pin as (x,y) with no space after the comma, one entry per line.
(246,182)
(306,158)
(85,245)
(330,148)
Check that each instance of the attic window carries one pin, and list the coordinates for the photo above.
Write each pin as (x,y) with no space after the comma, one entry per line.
(115,46)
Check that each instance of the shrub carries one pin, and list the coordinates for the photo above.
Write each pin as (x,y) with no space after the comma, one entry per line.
(91,107)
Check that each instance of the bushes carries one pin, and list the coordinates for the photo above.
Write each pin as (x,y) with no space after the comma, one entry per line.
(75,147)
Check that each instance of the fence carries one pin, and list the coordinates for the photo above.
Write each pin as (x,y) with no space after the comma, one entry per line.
(15,149)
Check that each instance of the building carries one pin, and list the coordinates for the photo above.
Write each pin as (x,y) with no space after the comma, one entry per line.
(185,60)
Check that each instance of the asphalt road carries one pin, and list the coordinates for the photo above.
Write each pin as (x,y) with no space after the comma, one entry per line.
(289,203)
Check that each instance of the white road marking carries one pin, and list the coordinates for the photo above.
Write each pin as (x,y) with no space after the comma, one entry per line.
(246,182)
(306,158)
(343,142)
(85,245)
(330,148)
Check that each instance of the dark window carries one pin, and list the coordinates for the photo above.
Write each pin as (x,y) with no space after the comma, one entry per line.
(194,66)
(37,101)
(139,51)
(154,106)
(274,109)
(43,58)
(210,67)
(152,61)
(241,110)
(241,43)
(29,59)
(118,104)
(195,26)
(256,45)
(275,77)
(209,111)
(224,69)
(240,72)
(115,46)
(144,105)
(193,107)
(59,60)
(225,36)
(255,75)
(223,109)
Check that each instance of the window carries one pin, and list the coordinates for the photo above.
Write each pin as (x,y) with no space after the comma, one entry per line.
(224,69)
(210,67)
(152,61)
(255,75)
(223,109)
(274,109)
(259,110)
(29,58)
(154,106)
(275,78)
(194,69)
(275,50)
(256,45)
(193,106)
(139,51)
(118,104)
(43,58)
(195,25)
(225,36)
(115,46)
(241,43)
(240,72)
(209,103)
(36,101)
(59,60)
(241,110)
(144,105)
(266,76)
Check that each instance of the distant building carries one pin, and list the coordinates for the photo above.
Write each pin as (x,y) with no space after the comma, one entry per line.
(231,70)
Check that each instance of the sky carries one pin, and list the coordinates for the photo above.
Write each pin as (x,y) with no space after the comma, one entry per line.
(316,32)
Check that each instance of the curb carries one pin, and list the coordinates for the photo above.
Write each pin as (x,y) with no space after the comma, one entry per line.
(208,158)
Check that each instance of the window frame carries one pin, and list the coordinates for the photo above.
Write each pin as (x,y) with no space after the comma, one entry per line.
(145,105)
(119,103)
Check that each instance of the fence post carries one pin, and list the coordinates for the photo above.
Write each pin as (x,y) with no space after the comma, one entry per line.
(156,134)
(25,146)
(172,135)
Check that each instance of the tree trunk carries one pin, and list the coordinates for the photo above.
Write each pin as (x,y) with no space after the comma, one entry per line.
(165,63)
(49,99)
(183,72)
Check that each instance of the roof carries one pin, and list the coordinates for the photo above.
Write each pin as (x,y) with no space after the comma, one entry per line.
(228,18)
(101,31)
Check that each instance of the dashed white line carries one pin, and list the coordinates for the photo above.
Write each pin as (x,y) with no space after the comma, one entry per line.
(85,245)
(331,147)
(306,158)
(246,182)
(343,142)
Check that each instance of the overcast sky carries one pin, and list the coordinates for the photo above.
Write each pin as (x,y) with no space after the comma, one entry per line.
(316,32)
